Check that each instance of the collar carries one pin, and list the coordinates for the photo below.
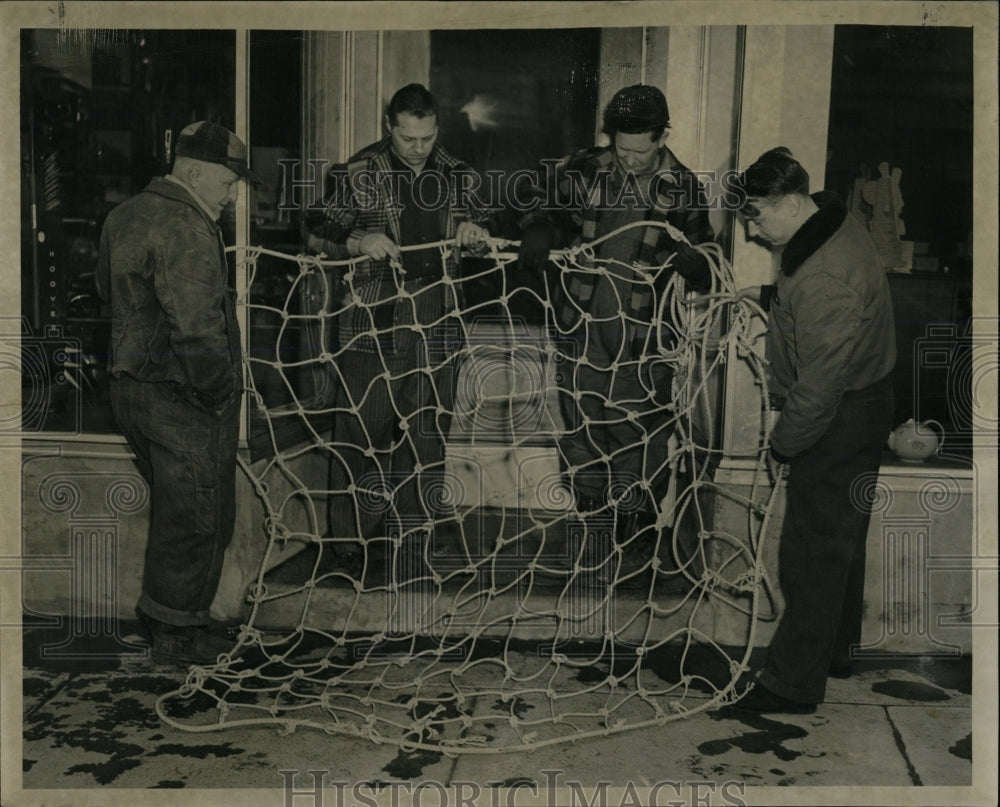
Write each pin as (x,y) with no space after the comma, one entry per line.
(192,194)
(815,232)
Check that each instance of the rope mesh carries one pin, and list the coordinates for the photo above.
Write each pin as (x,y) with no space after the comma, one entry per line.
(504,611)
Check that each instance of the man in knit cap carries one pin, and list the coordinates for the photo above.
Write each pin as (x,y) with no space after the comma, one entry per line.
(614,452)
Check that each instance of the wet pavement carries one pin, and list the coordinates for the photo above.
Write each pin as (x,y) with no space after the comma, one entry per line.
(93,724)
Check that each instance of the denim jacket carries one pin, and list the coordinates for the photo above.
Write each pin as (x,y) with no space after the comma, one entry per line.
(162,267)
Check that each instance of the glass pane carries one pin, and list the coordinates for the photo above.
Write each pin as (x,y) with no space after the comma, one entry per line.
(99,110)
(900,146)
(510,99)
(275,143)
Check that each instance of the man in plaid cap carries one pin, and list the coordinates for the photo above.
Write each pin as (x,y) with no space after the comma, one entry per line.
(176,380)
(615,448)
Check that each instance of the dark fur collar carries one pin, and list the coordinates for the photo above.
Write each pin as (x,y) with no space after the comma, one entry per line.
(815,232)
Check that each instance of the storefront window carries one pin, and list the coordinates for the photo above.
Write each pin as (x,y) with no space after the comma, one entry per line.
(510,99)
(900,153)
(99,112)
(276,99)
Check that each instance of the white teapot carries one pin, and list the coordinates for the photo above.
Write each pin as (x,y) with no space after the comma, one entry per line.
(915,442)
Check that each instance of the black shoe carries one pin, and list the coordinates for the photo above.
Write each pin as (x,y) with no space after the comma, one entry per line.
(188,644)
(762,701)
(145,626)
(843,669)
(225,628)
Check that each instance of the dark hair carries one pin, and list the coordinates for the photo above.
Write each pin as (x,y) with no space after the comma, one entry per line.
(776,173)
(414,99)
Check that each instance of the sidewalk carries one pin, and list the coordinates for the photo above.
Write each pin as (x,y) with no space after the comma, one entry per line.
(91,725)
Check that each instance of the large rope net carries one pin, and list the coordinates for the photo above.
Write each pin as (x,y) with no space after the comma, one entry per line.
(456,592)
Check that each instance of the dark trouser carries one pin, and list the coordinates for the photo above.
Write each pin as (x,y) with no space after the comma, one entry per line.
(188,458)
(613,402)
(393,414)
(821,558)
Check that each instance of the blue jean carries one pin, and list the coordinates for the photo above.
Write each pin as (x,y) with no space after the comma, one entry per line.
(821,557)
(188,458)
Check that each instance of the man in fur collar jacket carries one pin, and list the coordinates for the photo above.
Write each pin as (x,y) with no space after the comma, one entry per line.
(831,346)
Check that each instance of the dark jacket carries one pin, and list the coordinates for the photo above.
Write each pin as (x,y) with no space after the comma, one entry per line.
(587,183)
(831,326)
(162,268)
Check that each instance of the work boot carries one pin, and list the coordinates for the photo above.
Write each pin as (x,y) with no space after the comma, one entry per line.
(183,645)
(760,700)
(841,669)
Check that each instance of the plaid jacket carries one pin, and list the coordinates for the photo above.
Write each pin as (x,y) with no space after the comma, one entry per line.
(581,183)
(359,199)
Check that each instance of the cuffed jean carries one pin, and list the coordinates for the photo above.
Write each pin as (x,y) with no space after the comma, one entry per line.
(821,557)
(188,458)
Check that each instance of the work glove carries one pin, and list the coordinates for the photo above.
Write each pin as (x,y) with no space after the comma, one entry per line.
(690,264)
(537,239)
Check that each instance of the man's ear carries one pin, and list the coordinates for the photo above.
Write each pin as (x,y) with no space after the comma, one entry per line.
(388,125)
(193,175)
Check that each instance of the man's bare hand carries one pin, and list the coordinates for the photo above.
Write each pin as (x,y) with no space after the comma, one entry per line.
(316,244)
(470,235)
(378,246)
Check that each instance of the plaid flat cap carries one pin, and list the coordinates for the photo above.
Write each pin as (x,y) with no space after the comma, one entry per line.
(213,143)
